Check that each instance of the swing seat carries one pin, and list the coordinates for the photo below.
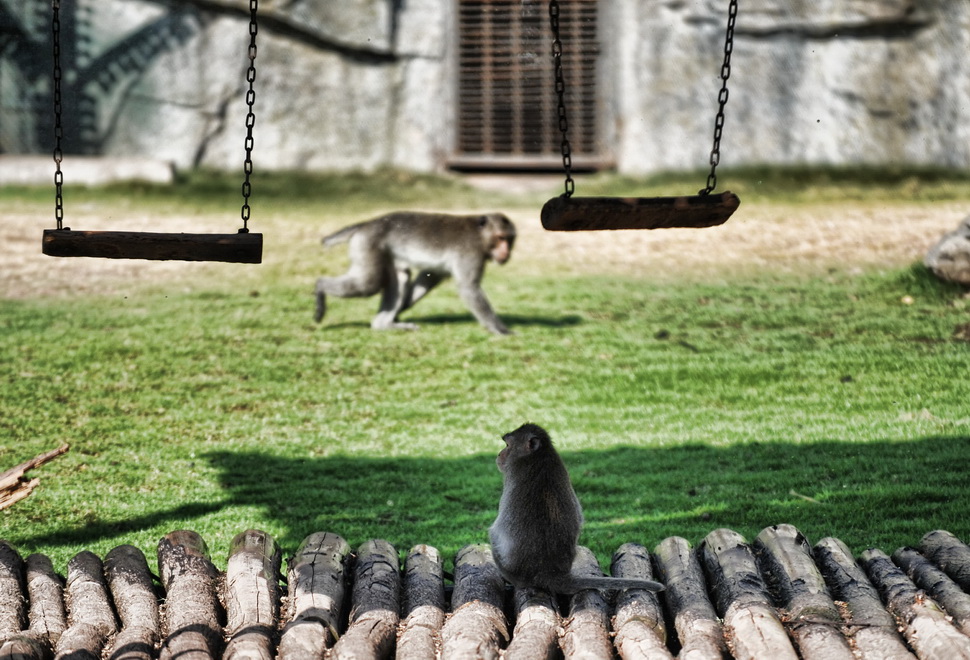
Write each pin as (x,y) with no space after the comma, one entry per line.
(593,213)
(243,247)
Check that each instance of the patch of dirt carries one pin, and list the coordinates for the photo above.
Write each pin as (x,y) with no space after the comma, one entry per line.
(812,239)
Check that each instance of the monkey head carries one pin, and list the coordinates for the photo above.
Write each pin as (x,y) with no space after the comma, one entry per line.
(529,440)
(498,236)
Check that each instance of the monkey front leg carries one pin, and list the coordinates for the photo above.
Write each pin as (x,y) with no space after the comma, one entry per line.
(474,297)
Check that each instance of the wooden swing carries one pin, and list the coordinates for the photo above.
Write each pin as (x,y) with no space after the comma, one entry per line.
(568,213)
(241,247)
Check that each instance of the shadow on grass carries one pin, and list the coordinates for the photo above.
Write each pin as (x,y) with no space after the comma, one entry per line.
(511,320)
(883,494)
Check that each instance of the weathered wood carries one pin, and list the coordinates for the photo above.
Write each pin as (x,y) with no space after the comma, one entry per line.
(811,615)
(587,629)
(638,620)
(937,584)
(537,625)
(375,604)
(13,604)
(753,628)
(89,614)
(924,624)
(477,627)
(317,581)
(870,628)
(593,213)
(424,604)
(191,621)
(130,581)
(244,248)
(48,619)
(949,553)
(10,478)
(26,646)
(252,596)
(697,624)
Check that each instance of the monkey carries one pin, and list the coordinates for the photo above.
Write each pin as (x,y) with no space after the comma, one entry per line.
(384,250)
(539,519)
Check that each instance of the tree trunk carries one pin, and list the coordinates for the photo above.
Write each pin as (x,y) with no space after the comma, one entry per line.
(192,609)
(90,615)
(375,604)
(252,596)
(477,627)
(587,630)
(130,580)
(638,622)
(424,604)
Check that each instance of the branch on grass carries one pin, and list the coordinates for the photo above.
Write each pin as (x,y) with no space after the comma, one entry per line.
(14,486)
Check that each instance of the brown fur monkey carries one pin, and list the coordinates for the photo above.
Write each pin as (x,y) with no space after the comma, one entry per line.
(539,518)
(384,250)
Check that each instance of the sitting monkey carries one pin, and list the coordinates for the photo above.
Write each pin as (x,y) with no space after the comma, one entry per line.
(384,250)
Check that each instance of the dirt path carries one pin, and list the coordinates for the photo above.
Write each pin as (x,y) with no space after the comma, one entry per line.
(810,239)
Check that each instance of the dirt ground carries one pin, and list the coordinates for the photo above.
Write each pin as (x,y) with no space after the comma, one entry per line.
(811,239)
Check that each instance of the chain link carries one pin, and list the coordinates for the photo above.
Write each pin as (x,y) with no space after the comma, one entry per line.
(250,116)
(564,147)
(722,98)
(58,129)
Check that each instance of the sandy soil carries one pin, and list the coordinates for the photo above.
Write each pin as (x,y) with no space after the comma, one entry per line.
(811,239)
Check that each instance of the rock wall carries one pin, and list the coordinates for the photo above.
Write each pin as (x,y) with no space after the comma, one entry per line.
(360,84)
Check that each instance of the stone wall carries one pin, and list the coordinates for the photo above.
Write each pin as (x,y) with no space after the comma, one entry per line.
(360,84)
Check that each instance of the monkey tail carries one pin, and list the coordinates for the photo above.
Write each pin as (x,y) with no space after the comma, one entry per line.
(572,584)
(341,236)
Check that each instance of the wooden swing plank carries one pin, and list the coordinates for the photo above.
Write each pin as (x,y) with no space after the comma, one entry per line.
(244,248)
(594,213)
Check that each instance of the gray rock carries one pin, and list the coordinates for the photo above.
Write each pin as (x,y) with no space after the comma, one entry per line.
(949,259)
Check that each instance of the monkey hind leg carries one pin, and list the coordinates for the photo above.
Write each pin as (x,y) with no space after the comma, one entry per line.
(321,307)
(397,287)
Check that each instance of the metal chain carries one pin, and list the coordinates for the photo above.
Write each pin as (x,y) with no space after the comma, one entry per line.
(250,116)
(58,130)
(564,147)
(722,98)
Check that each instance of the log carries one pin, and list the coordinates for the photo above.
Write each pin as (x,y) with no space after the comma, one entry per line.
(191,622)
(424,604)
(949,553)
(317,579)
(937,584)
(13,606)
(90,616)
(14,486)
(132,589)
(375,603)
(753,628)
(812,617)
(477,627)
(638,620)
(48,619)
(594,213)
(26,646)
(697,624)
(537,625)
(871,629)
(244,248)
(586,631)
(923,623)
(252,596)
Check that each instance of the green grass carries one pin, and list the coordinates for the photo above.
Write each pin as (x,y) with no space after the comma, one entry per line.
(824,402)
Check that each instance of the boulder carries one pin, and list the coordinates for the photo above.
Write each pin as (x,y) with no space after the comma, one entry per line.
(949,259)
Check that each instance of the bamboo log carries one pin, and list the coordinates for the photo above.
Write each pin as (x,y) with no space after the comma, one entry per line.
(192,611)
(317,579)
(90,616)
(937,584)
(424,604)
(238,248)
(949,553)
(252,596)
(130,580)
(477,627)
(48,619)
(536,633)
(375,604)
(872,629)
(587,629)
(592,213)
(812,617)
(638,620)
(924,625)
(698,627)
(753,628)
(13,609)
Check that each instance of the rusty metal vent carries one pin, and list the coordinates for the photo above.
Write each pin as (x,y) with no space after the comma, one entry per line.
(507,112)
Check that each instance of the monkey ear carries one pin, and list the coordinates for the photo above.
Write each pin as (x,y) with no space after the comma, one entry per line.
(482,220)
(534,443)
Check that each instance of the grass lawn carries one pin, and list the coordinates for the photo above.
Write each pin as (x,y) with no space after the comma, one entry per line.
(795,366)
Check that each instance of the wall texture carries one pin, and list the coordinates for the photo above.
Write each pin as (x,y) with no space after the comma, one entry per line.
(360,84)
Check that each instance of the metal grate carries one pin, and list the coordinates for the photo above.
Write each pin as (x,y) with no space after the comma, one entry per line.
(507,101)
